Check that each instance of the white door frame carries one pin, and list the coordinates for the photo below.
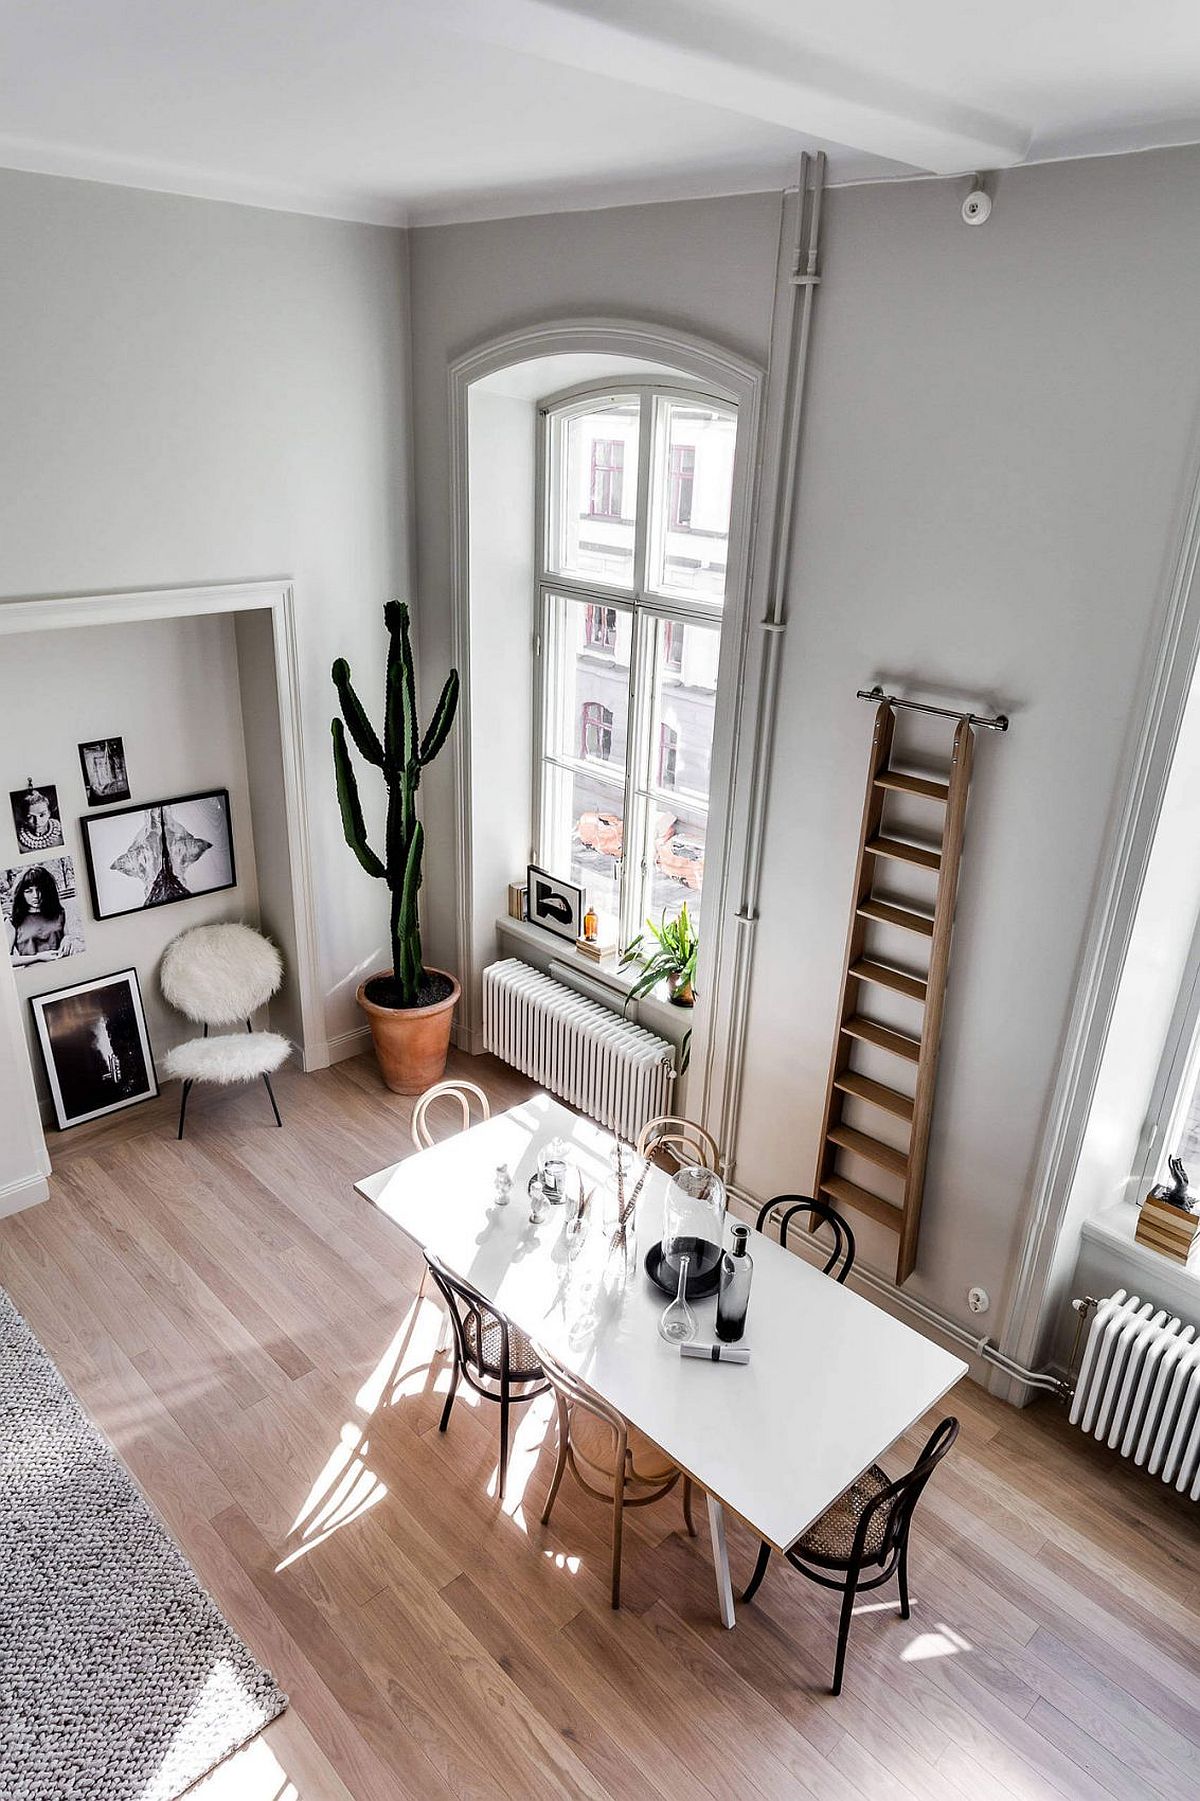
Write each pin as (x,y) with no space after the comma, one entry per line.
(276,597)
(742,382)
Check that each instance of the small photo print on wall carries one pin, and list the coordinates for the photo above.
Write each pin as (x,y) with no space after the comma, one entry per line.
(40,906)
(554,904)
(97,1050)
(104,773)
(141,857)
(36,818)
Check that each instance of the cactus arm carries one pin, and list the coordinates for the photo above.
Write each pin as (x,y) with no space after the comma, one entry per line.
(443,719)
(359,726)
(353,824)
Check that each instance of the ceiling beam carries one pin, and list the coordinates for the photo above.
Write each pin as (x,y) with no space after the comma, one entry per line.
(677,49)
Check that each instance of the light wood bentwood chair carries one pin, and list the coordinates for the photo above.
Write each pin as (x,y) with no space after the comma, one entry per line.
(462,1092)
(685,1142)
(609,1458)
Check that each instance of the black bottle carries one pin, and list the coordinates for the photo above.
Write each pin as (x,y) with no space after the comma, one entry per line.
(733,1298)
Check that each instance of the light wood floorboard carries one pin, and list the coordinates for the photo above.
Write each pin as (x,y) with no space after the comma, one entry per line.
(245,1331)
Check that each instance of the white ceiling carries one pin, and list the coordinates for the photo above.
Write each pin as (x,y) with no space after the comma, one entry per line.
(431,110)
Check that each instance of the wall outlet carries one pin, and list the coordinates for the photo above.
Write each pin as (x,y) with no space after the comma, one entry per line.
(978,1300)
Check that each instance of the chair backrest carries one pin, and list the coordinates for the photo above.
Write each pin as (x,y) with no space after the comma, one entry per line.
(463,1093)
(843,1237)
(900,1497)
(219,974)
(477,1325)
(685,1142)
(573,1389)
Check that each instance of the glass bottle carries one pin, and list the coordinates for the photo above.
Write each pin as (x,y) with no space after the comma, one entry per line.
(733,1297)
(591,924)
(678,1323)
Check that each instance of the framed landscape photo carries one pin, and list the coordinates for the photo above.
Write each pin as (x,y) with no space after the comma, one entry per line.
(554,904)
(150,856)
(96,1047)
(105,777)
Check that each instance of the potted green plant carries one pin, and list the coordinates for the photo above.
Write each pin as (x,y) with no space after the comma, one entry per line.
(410,1009)
(669,956)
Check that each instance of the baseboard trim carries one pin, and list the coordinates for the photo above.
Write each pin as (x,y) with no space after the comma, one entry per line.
(15,1197)
(348,1044)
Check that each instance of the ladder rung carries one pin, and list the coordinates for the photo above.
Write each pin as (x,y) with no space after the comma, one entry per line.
(873,1149)
(849,1194)
(903,852)
(891,915)
(868,971)
(899,1043)
(864,1089)
(913,784)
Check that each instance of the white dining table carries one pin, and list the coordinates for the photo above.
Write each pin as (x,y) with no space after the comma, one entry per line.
(832,1380)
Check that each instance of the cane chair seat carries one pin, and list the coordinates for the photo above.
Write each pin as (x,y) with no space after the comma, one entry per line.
(595,1448)
(523,1363)
(830,1539)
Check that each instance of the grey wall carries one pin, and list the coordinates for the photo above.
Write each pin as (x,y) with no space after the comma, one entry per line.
(195,392)
(997,445)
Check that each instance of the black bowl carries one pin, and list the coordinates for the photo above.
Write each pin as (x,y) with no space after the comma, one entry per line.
(704,1254)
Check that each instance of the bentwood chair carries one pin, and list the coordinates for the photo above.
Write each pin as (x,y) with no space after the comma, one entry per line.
(823,1214)
(867,1528)
(495,1358)
(685,1142)
(461,1092)
(609,1458)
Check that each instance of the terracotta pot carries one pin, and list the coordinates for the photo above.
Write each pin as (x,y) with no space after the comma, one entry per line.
(411,1043)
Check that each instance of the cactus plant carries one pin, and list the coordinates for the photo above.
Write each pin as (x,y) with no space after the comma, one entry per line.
(401,755)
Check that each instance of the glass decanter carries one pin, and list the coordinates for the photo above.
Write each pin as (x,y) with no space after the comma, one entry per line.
(678,1323)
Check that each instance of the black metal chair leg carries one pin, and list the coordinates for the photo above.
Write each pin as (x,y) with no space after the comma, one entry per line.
(905,1609)
(187,1089)
(844,1630)
(274,1107)
(504,1405)
(445,1419)
(760,1570)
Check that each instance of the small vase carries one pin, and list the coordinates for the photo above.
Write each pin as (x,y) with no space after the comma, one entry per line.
(680,993)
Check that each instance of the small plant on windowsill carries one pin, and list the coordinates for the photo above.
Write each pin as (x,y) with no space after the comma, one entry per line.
(669,954)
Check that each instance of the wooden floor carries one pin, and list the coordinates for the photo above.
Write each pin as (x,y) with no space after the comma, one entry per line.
(243,1329)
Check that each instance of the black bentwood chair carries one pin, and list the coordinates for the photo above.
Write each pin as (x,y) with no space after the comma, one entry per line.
(843,1237)
(867,1528)
(496,1358)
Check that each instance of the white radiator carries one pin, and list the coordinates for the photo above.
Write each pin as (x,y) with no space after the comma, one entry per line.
(614,1071)
(1139,1388)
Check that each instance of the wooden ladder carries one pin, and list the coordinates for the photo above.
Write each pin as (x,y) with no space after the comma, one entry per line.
(931,931)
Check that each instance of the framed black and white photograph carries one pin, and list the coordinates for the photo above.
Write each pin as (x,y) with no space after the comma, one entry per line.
(151,856)
(104,774)
(554,904)
(39,903)
(97,1050)
(36,817)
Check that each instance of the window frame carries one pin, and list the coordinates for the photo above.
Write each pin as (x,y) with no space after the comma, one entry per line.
(1174,1082)
(649,610)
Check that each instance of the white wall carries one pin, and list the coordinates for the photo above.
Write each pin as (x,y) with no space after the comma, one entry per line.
(198,392)
(170,690)
(996,451)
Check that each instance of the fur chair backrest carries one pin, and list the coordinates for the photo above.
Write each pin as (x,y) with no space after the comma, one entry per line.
(219,974)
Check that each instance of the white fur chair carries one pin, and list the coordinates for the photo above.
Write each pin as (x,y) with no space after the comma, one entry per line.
(218,975)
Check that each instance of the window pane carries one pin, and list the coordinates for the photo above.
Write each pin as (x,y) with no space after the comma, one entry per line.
(693,487)
(593,511)
(684,707)
(591,683)
(674,860)
(583,837)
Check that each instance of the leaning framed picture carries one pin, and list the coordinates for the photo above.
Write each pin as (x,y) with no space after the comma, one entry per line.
(554,904)
(152,855)
(96,1047)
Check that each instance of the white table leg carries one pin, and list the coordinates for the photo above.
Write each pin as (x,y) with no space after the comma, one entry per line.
(720,1551)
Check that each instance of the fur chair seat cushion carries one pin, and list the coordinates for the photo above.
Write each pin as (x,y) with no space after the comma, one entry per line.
(233,1057)
(218,975)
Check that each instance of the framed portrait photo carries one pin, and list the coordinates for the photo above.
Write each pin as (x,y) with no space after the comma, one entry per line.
(40,909)
(151,856)
(37,820)
(105,778)
(96,1047)
(554,904)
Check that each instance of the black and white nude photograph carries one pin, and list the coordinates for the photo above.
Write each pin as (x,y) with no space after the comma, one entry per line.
(40,908)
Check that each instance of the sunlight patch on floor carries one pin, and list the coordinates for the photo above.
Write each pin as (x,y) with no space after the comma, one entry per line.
(342,1493)
(943,1641)
(529,1427)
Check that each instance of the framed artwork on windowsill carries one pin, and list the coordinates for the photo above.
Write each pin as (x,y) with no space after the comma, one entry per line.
(553,904)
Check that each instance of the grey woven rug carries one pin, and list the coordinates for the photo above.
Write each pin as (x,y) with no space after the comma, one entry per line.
(119,1679)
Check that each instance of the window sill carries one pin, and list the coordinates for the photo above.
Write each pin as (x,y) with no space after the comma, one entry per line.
(1111,1234)
(653,1011)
